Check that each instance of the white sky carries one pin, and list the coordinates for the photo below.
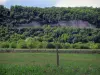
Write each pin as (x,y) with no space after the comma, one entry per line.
(3,1)
(57,3)
(73,3)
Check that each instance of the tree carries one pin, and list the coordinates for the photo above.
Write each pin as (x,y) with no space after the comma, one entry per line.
(64,37)
(21,44)
(30,42)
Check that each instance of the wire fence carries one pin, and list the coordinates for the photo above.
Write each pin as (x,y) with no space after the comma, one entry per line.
(84,51)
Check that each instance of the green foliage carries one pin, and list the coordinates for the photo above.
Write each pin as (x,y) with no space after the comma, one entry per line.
(80,46)
(16,37)
(98,45)
(49,69)
(13,45)
(47,37)
(50,45)
(76,46)
(84,46)
(21,44)
(92,45)
(58,45)
(44,44)
(30,42)
(45,64)
(67,45)
(4,44)
(19,14)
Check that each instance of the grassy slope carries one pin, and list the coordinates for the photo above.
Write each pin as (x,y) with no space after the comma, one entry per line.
(71,64)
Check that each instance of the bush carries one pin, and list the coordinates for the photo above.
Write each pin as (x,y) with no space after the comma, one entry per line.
(59,45)
(84,46)
(98,46)
(44,44)
(92,45)
(30,45)
(21,44)
(80,46)
(40,45)
(30,42)
(13,45)
(76,46)
(50,45)
(4,45)
(67,45)
(36,44)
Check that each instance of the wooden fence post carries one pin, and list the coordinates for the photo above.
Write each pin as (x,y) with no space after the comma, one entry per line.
(57,55)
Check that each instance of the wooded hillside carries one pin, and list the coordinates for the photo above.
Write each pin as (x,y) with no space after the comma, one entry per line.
(47,36)
(17,15)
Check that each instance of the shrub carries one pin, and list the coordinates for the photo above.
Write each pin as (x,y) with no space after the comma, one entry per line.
(44,44)
(92,45)
(67,45)
(13,45)
(21,44)
(40,45)
(59,45)
(4,45)
(98,46)
(84,46)
(50,45)
(76,46)
(80,46)
(30,44)
(36,44)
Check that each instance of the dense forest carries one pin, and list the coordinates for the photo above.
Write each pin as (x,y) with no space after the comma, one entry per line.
(18,15)
(47,36)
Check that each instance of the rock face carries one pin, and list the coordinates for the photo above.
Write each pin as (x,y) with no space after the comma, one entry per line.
(74,23)
(34,23)
(71,23)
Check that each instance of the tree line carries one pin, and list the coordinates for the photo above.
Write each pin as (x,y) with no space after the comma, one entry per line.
(16,15)
(48,37)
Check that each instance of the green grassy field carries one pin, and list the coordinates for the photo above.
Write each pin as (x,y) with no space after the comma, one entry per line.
(45,64)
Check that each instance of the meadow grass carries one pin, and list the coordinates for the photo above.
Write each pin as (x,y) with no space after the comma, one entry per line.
(45,64)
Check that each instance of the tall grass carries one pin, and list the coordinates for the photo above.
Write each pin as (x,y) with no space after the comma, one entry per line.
(49,70)
(45,64)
